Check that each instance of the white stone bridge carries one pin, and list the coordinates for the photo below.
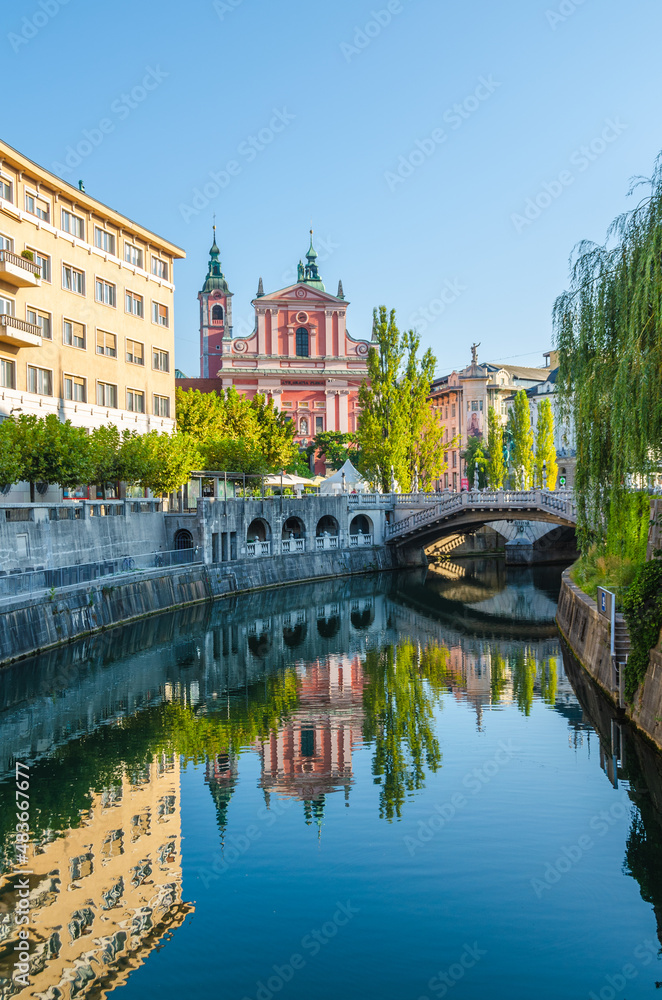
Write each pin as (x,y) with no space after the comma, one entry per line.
(420,519)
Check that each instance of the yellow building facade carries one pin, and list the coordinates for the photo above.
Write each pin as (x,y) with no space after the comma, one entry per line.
(86,306)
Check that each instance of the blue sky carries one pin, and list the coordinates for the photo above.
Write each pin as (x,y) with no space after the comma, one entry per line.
(412,132)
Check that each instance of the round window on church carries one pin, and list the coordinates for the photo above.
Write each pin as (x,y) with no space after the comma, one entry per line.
(302,343)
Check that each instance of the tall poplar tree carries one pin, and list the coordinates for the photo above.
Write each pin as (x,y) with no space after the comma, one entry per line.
(545,448)
(521,453)
(496,466)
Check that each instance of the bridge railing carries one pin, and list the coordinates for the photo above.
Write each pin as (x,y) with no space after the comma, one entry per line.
(507,500)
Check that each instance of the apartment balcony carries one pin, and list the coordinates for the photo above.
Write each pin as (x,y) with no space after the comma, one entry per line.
(18,271)
(18,332)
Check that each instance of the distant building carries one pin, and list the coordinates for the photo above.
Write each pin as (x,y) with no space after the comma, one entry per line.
(300,353)
(463,400)
(564,434)
(86,306)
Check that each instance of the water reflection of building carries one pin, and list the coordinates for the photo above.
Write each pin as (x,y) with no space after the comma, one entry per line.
(102,894)
(311,755)
(221,774)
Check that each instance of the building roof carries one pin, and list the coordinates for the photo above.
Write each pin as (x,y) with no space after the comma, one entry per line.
(79,196)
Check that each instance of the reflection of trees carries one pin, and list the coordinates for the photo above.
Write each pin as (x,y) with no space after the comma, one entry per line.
(524,677)
(498,675)
(548,681)
(398,703)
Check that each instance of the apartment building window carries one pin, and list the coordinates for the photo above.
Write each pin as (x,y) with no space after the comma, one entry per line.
(106,394)
(73,279)
(319,425)
(7,374)
(73,334)
(160,314)
(135,401)
(44,262)
(75,388)
(6,188)
(134,304)
(6,306)
(104,240)
(42,320)
(37,206)
(135,352)
(452,409)
(160,360)
(454,459)
(159,268)
(133,254)
(40,381)
(73,224)
(106,344)
(6,243)
(105,292)
(161,406)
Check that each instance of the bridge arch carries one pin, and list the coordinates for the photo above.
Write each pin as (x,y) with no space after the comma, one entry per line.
(258,530)
(327,525)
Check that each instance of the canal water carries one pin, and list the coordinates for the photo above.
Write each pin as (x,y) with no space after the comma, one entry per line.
(394,786)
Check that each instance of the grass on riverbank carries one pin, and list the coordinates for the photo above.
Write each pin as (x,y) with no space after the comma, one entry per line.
(600,569)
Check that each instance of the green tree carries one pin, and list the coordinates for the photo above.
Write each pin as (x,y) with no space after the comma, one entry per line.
(545,448)
(334,447)
(52,452)
(477,462)
(11,465)
(521,455)
(233,455)
(496,466)
(169,460)
(382,428)
(104,443)
(273,433)
(608,328)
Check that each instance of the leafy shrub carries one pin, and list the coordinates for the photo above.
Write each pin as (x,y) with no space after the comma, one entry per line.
(642,606)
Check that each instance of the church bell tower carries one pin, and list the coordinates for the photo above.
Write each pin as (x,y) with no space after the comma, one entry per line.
(215,315)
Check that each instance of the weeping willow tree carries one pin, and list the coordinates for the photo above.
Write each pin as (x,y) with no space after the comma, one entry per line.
(608,329)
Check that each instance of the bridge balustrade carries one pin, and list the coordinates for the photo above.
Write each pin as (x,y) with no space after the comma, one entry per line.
(258,548)
(293,545)
(361,539)
(326,542)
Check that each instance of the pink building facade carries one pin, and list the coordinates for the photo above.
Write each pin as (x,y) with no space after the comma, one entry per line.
(300,353)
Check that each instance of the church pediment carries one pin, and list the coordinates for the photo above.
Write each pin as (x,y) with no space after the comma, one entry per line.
(297,294)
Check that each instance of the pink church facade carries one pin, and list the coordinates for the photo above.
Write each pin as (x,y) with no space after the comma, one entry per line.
(300,353)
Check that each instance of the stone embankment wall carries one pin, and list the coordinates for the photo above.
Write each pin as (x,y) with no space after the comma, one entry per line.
(587,634)
(30,625)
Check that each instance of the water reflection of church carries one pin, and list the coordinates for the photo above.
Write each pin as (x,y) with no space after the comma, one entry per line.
(310,755)
(103,893)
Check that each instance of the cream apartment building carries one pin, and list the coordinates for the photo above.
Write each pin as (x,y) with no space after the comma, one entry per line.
(86,306)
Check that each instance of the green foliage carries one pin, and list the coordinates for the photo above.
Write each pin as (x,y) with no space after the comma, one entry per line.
(545,447)
(596,568)
(334,447)
(169,461)
(477,462)
(104,445)
(608,328)
(642,606)
(521,452)
(11,466)
(226,415)
(496,466)
(398,428)
(51,451)
(233,455)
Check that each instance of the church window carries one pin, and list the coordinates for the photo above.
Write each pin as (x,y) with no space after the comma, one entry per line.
(302,343)
(217,314)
